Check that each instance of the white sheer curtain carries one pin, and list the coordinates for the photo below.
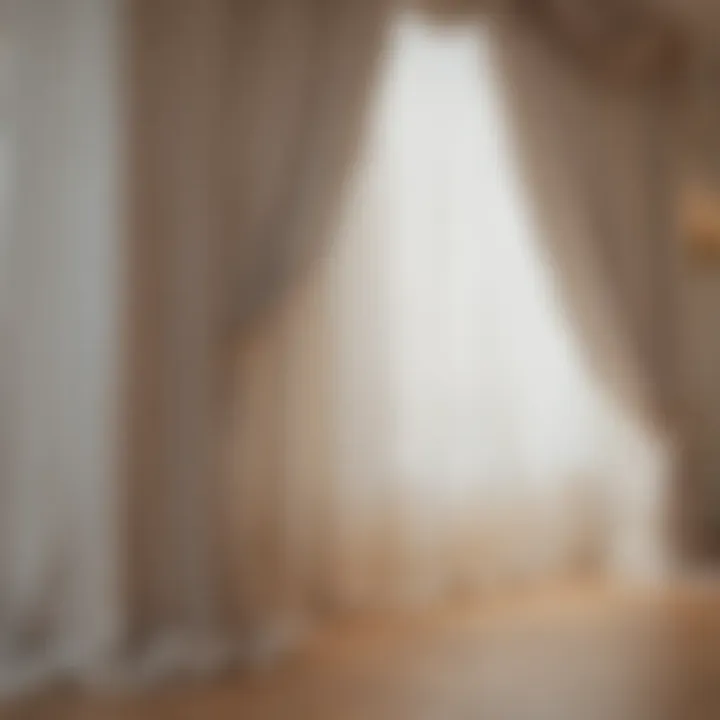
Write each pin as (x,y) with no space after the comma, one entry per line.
(489,418)
(417,421)
(60,298)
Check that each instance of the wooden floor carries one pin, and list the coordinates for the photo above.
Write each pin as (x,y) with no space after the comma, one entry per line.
(576,655)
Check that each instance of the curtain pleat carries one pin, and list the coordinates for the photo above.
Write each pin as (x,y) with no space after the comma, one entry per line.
(600,166)
(245,122)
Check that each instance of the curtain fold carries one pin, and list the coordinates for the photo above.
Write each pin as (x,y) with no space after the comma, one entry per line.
(626,43)
(246,118)
(302,82)
(374,461)
(616,43)
(600,166)
(60,325)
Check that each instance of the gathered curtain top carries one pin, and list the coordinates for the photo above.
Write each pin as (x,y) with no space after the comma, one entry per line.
(619,42)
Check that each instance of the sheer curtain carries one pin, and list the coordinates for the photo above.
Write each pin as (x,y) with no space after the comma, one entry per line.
(417,421)
(602,167)
(60,326)
(488,416)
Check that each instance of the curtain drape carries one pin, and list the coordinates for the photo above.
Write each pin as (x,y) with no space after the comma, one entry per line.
(171,164)
(246,120)
(175,485)
(619,43)
(389,435)
(60,290)
(601,167)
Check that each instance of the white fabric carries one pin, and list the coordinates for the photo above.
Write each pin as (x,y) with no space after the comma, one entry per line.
(60,337)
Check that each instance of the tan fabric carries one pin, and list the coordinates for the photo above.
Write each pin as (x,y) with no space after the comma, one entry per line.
(600,165)
(617,43)
(620,43)
(303,77)
(246,116)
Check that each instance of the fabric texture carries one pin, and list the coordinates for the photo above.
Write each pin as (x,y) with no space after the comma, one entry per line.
(198,394)
(60,315)
(602,167)
(393,429)
(248,115)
